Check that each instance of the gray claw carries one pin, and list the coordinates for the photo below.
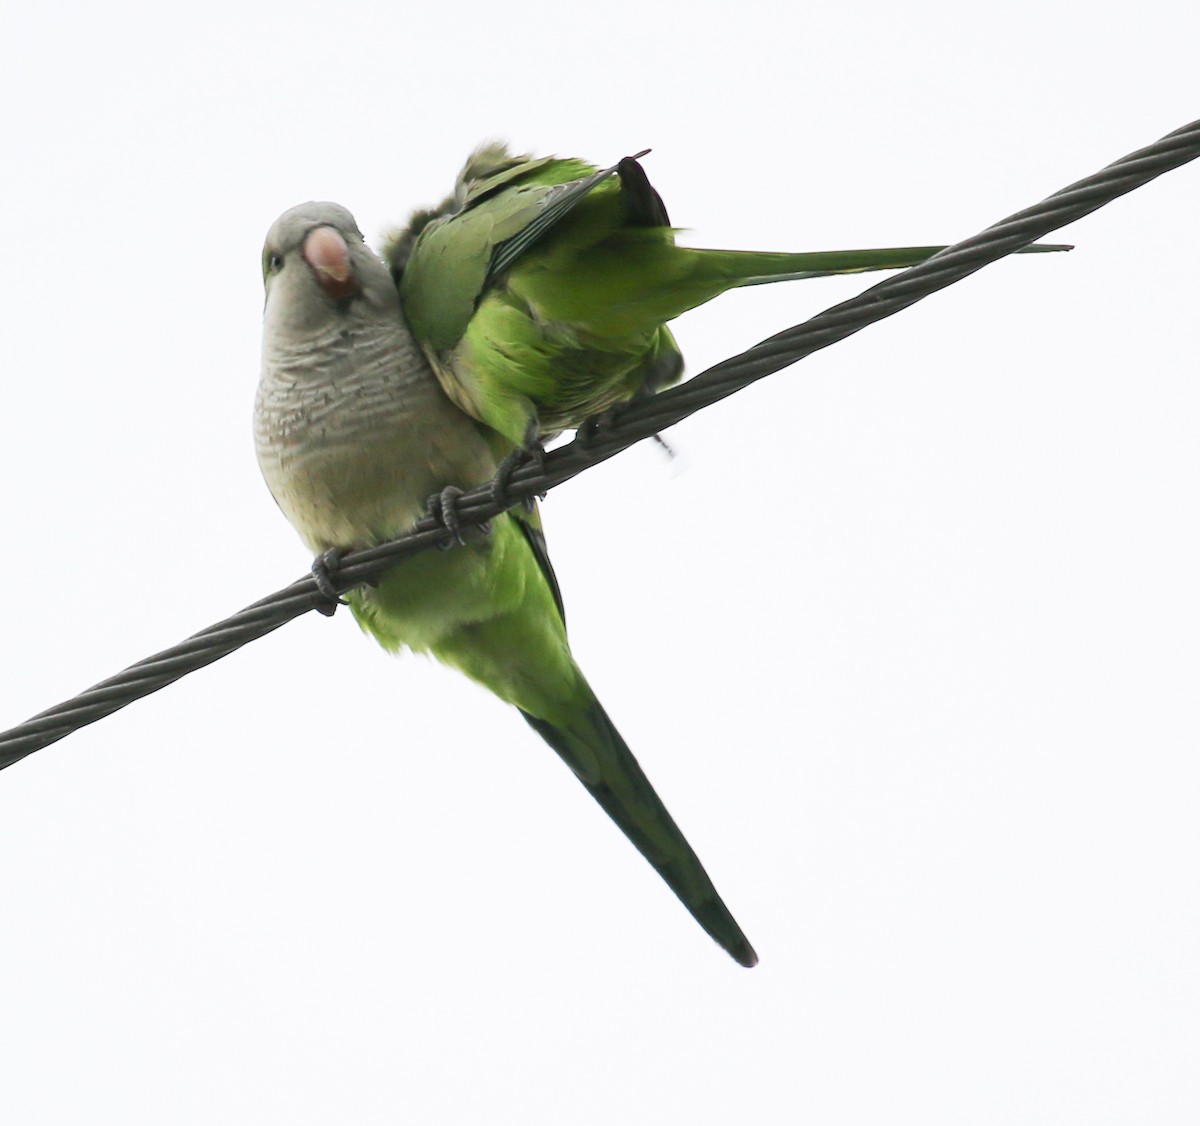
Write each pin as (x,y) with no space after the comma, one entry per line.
(530,450)
(324,569)
(443,506)
(665,446)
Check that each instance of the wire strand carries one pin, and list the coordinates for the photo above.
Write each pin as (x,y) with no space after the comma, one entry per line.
(598,441)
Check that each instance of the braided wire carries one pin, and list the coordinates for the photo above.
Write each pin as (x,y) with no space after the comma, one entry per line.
(598,441)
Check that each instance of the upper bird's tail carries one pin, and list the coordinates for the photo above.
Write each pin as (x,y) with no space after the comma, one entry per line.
(705,273)
(640,278)
(595,751)
(754,267)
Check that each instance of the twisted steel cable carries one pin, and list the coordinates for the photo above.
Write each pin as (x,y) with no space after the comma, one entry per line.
(599,441)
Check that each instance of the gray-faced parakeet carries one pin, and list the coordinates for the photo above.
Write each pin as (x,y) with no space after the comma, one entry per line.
(353,434)
(541,288)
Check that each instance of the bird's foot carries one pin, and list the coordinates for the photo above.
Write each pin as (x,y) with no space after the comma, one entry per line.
(324,573)
(592,429)
(531,450)
(443,507)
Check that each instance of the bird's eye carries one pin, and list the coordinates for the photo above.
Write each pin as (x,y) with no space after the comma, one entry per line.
(272,262)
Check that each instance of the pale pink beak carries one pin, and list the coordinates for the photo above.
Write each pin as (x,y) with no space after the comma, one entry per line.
(328,256)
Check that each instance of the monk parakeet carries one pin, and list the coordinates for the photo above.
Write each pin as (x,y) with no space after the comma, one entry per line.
(354,433)
(540,289)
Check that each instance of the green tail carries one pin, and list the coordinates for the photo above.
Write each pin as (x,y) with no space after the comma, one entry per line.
(622,287)
(626,795)
(761,268)
(492,610)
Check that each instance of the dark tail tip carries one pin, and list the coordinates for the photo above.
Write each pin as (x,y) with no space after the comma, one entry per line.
(715,918)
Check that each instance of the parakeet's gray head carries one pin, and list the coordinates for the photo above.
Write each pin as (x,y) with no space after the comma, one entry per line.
(316,264)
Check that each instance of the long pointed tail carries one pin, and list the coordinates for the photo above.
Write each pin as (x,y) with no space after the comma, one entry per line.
(751,267)
(593,748)
(650,279)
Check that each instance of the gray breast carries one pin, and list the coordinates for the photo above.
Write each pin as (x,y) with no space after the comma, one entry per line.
(354,433)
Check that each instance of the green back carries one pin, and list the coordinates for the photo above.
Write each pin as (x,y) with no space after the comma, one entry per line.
(446,275)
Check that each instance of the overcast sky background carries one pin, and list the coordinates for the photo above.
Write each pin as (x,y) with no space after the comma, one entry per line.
(934,731)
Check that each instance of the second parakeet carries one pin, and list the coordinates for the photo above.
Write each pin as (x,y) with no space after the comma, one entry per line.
(541,288)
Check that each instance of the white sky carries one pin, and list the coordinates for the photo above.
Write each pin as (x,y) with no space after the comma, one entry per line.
(934,734)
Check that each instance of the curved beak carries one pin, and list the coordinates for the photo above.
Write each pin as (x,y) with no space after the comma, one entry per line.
(328,257)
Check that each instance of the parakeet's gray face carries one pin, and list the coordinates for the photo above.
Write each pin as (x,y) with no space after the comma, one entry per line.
(315,263)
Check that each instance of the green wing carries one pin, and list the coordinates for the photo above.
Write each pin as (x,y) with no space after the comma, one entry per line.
(458,255)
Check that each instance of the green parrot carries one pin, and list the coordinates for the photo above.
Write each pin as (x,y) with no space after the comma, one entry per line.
(353,434)
(540,289)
